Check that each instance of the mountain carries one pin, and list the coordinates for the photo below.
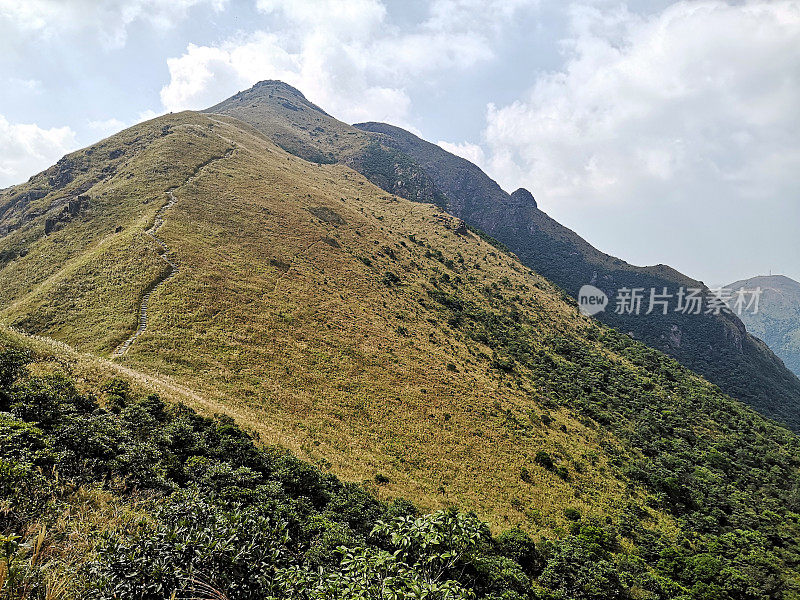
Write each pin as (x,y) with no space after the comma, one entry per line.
(381,342)
(283,114)
(777,321)
(331,317)
(715,345)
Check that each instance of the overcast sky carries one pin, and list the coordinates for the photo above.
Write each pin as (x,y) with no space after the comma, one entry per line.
(663,132)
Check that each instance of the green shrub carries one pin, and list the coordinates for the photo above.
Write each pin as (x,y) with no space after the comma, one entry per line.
(572,514)
(543,459)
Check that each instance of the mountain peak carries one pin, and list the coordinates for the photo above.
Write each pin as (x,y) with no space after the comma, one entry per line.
(276,85)
(780,283)
(523,196)
(268,92)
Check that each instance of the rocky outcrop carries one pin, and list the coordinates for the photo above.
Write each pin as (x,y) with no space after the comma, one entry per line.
(62,173)
(524,197)
(71,209)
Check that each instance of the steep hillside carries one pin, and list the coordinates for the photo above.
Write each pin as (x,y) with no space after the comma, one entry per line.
(283,114)
(385,343)
(777,321)
(308,303)
(293,123)
(716,346)
(132,497)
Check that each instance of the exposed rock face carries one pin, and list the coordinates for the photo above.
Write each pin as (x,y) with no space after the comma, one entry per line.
(674,336)
(75,206)
(523,196)
(72,208)
(21,199)
(62,173)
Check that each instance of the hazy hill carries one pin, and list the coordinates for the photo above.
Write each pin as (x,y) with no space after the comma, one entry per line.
(777,321)
(717,347)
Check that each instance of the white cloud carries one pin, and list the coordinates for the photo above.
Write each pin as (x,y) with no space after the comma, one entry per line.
(671,137)
(28,148)
(351,19)
(108,19)
(106,127)
(148,114)
(472,152)
(702,96)
(474,15)
(345,57)
(33,86)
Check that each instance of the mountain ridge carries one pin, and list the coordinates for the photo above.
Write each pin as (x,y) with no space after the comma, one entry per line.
(380,341)
(716,346)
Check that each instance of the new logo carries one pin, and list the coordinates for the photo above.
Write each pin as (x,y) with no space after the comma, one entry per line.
(591,300)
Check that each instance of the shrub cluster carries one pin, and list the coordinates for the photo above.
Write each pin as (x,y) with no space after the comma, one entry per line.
(226,517)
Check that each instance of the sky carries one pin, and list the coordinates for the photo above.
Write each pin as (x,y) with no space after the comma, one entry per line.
(661,131)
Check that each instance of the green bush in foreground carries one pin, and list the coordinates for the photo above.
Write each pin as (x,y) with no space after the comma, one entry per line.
(215,514)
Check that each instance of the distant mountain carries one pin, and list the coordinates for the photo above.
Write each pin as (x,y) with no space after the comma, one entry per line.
(716,346)
(777,321)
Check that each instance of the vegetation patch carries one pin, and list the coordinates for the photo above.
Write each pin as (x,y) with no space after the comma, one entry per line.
(328,215)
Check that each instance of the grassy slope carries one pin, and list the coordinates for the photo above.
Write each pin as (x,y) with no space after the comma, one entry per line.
(54,285)
(295,124)
(301,128)
(303,336)
(283,316)
(298,338)
(718,347)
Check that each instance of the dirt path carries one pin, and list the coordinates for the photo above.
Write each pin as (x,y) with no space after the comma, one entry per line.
(173,269)
(165,256)
(160,384)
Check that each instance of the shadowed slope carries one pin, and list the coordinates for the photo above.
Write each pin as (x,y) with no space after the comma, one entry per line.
(716,346)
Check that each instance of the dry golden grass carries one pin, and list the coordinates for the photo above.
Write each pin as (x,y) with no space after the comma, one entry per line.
(102,262)
(280,317)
